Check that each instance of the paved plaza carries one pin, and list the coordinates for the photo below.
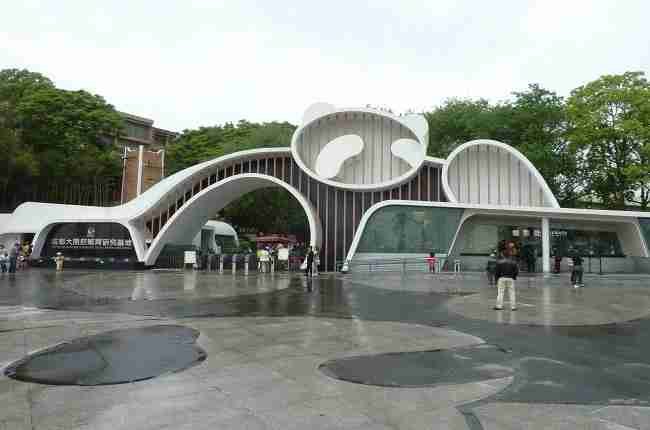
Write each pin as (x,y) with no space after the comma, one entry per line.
(356,351)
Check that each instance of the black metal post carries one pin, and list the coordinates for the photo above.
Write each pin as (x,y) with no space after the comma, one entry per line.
(600,260)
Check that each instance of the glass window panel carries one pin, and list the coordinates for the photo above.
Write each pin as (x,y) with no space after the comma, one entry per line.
(410,229)
(644,223)
(137,131)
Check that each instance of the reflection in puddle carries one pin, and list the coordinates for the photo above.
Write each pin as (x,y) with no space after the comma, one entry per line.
(112,357)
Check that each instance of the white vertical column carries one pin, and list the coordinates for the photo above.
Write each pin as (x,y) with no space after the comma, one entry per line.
(546,246)
(140,156)
(162,164)
(124,156)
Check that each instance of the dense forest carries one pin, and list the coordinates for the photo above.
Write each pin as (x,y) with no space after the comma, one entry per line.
(592,147)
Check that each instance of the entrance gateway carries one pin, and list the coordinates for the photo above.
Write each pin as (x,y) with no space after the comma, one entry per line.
(368,190)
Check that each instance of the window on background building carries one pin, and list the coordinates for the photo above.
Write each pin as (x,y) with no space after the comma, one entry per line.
(137,131)
(410,229)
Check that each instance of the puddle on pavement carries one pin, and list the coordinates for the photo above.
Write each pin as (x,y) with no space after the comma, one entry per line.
(629,328)
(424,368)
(112,357)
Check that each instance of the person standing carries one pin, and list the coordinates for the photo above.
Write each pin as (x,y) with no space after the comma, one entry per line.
(506,274)
(557,260)
(309,259)
(491,268)
(4,260)
(59,261)
(13,257)
(577,272)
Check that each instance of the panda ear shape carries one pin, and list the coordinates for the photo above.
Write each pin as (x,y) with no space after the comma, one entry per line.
(317,110)
(408,150)
(418,123)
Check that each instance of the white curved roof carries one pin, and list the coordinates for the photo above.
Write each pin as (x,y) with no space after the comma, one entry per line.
(220,227)
(485,171)
(31,217)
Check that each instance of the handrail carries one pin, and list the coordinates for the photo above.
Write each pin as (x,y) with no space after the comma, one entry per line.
(404,264)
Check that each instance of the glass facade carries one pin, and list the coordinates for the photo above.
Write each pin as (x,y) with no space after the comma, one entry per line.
(481,236)
(644,223)
(410,229)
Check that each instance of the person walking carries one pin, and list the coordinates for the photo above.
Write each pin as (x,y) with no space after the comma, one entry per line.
(316,261)
(309,260)
(506,274)
(13,257)
(577,272)
(491,268)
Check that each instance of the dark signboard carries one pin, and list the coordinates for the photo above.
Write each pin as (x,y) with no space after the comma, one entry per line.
(102,239)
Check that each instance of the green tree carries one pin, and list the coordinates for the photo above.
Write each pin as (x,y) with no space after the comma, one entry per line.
(52,134)
(455,122)
(18,159)
(537,127)
(609,126)
(67,130)
(205,143)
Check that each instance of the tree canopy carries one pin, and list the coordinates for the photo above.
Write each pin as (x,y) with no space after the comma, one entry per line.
(50,134)
(609,127)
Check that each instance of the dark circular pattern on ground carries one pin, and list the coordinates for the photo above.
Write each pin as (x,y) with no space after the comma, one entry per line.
(423,369)
(113,357)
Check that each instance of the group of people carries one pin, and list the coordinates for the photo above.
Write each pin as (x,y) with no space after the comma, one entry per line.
(265,256)
(504,270)
(15,258)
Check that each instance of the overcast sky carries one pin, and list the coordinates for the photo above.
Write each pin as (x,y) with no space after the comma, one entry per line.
(192,63)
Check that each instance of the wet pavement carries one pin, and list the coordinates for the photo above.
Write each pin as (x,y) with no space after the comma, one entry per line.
(420,351)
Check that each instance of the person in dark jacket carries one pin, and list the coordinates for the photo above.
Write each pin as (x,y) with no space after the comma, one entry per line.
(310,261)
(491,268)
(506,274)
(13,257)
(576,273)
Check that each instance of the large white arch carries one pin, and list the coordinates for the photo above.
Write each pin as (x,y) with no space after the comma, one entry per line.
(485,170)
(185,223)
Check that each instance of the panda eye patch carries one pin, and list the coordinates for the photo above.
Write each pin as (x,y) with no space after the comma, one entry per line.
(336,152)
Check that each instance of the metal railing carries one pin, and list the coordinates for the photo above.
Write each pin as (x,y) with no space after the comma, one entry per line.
(224,263)
(456,264)
(402,265)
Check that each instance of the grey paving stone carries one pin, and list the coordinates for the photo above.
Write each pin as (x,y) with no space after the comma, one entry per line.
(635,417)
